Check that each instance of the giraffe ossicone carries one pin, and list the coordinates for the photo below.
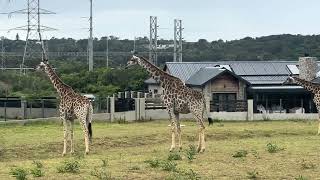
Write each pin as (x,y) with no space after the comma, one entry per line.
(72,106)
(178,98)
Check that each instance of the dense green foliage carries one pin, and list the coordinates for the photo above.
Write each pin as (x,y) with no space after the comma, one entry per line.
(102,81)
(105,81)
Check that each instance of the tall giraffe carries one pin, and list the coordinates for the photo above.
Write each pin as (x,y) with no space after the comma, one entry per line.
(311,87)
(178,98)
(72,106)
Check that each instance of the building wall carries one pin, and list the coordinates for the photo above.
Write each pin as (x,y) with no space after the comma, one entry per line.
(153,87)
(226,84)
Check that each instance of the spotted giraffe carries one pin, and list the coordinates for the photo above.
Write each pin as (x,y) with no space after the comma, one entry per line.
(311,87)
(72,106)
(178,98)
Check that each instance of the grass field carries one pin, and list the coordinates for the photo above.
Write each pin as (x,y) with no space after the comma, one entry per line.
(235,150)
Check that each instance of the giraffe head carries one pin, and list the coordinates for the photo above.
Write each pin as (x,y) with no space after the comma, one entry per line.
(133,61)
(290,80)
(42,65)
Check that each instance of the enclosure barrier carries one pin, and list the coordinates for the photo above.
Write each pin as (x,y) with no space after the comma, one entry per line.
(137,106)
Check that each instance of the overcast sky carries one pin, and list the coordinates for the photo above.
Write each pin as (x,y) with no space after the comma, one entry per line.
(209,19)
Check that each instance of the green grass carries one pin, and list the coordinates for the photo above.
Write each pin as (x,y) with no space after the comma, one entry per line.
(124,151)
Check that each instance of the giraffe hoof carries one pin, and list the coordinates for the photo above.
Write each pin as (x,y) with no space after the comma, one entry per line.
(64,154)
(71,152)
(202,150)
(86,153)
(171,149)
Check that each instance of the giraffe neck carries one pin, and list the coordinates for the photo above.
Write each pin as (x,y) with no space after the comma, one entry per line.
(306,84)
(156,73)
(56,81)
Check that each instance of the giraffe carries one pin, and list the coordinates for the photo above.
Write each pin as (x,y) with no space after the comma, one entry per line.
(311,87)
(178,98)
(72,106)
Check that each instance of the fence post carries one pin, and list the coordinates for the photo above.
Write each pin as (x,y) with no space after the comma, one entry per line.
(42,108)
(137,108)
(250,110)
(126,94)
(5,110)
(142,108)
(112,109)
(23,109)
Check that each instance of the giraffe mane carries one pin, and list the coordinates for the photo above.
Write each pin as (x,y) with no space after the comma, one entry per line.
(171,76)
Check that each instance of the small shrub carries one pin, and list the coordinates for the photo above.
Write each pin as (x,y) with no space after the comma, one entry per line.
(38,164)
(169,166)
(174,156)
(300,177)
(192,175)
(101,173)
(240,153)
(191,152)
(252,174)
(37,172)
(69,166)
(104,162)
(306,165)
(154,163)
(19,173)
(273,148)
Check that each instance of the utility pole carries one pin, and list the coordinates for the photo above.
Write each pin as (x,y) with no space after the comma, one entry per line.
(153,40)
(107,52)
(134,44)
(90,41)
(177,40)
(2,54)
(34,30)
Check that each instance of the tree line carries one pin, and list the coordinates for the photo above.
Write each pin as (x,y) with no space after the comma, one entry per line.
(107,80)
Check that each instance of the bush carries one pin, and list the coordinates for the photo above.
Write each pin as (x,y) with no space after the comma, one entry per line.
(19,173)
(191,152)
(37,170)
(273,148)
(69,166)
(240,153)
(174,156)
(154,163)
(101,173)
(169,166)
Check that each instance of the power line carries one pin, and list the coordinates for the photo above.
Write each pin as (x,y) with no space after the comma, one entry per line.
(153,40)
(34,43)
(177,40)
(90,41)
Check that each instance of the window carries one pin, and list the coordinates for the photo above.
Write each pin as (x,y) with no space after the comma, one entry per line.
(155,91)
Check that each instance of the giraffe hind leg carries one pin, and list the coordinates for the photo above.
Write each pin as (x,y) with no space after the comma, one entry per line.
(65,136)
(71,136)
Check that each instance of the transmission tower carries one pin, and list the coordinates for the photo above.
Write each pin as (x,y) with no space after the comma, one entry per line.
(90,41)
(2,54)
(153,40)
(177,40)
(34,46)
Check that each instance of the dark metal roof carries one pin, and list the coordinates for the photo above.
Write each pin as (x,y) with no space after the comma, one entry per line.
(265,79)
(204,75)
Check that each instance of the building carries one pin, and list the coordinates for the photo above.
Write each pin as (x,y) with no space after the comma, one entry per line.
(228,85)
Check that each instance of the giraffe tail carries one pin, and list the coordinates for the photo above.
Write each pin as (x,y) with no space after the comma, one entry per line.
(210,120)
(89,119)
(90,131)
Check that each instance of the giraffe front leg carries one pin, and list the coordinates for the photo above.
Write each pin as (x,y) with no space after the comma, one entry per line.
(173,136)
(178,128)
(65,136)
(199,140)
(203,143)
(86,135)
(71,137)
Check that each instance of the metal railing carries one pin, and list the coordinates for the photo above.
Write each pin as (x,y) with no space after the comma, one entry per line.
(229,106)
